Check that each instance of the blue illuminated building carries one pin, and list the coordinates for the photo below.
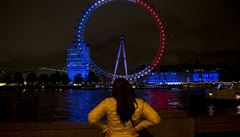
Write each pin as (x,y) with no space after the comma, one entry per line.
(78,60)
(205,77)
(169,78)
(175,78)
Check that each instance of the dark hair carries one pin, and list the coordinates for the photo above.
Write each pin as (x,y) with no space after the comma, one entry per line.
(125,96)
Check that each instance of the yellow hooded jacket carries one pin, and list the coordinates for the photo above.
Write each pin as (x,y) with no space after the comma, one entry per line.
(144,115)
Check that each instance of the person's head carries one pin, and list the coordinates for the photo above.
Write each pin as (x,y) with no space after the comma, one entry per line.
(125,96)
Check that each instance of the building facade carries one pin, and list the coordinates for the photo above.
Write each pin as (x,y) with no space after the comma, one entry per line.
(175,78)
(78,60)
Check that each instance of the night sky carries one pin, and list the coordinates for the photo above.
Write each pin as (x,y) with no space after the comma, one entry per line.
(37,33)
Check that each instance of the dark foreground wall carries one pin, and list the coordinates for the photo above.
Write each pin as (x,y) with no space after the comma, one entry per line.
(174,124)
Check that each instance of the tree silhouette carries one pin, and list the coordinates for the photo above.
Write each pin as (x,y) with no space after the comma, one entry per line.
(92,77)
(43,79)
(55,78)
(7,78)
(31,78)
(65,79)
(78,79)
(18,78)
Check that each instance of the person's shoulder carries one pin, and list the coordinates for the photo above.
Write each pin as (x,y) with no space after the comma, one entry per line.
(109,99)
(108,102)
(139,100)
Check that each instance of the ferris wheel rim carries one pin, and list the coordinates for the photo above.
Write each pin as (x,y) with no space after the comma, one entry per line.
(158,22)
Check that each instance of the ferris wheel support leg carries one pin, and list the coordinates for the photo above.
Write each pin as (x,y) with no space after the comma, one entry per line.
(125,60)
(117,61)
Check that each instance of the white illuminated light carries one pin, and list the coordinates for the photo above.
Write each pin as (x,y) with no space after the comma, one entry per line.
(238,97)
(2,84)
(238,110)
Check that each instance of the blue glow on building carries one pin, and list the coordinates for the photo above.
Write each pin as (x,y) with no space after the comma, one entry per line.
(169,78)
(205,76)
(78,59)
(175,78)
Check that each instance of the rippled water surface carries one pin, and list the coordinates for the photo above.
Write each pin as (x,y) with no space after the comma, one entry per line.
(74,105)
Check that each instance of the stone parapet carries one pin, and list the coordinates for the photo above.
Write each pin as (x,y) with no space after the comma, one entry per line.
(175,123)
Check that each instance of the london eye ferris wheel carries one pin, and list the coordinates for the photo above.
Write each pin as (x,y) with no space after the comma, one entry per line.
(79,61)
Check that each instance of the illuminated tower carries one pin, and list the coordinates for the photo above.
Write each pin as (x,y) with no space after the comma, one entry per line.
(78,60)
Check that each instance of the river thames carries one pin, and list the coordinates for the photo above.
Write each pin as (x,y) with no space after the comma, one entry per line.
(74,105)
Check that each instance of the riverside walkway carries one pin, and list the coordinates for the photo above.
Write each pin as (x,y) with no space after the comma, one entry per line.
(175,123)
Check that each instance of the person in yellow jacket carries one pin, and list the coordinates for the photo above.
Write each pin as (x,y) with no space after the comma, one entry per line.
(126,114)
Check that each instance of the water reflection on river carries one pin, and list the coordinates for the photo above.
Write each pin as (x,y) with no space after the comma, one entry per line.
(74,105)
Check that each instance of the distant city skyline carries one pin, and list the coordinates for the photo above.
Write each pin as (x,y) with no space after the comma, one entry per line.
(36,34)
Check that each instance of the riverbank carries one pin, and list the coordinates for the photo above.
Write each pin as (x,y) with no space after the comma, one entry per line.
(167,128)
(108,85)
(175,123)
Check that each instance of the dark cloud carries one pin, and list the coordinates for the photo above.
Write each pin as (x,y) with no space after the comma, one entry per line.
(36,33)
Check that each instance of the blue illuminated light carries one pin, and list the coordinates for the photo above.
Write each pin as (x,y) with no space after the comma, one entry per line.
(164,78)
(205,77)
(196,77)
(173,78)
